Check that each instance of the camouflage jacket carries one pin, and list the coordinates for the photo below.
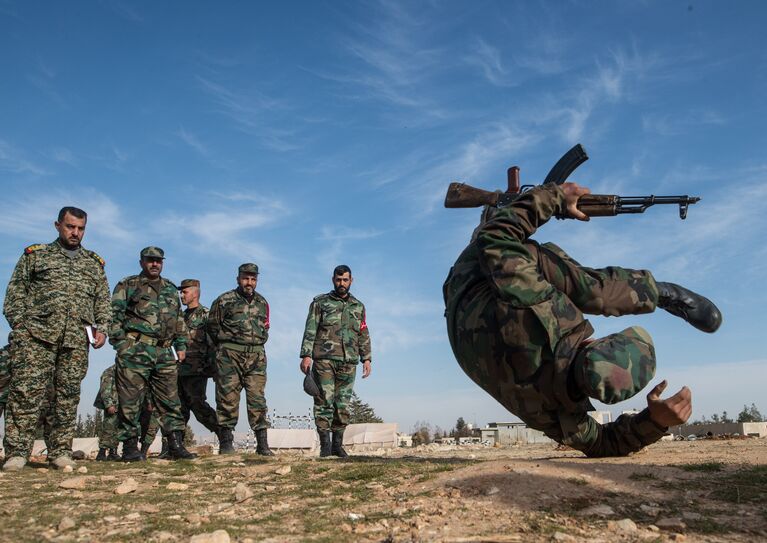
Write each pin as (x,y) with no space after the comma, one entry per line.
(232,319)
(148,307)
(199,351)
(54,296)
(336,329)
(107,396)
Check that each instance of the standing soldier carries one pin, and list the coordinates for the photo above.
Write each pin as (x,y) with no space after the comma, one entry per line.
(336,337)
(198,366)
(149,336)
(5,377)
(238,325)
(106,399)
(56,292)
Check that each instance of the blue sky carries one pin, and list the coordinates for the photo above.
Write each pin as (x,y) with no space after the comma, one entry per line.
(300,135)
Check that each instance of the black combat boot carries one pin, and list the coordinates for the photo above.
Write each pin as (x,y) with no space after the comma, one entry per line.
(694,308)
(325,449)
(102,455)
(338,444)
(225,440)
(164,452)
(176,449)
(113,456)
(262,445)
(145,449)
(130,450)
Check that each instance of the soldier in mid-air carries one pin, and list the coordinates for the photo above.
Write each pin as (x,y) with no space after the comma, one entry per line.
(55,292)
(149,335)
(336,339)
(516,325)
(238,325)
(199,364)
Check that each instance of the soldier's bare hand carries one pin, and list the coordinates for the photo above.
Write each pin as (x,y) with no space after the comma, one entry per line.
(671,411)
(306,363)
(366,368)
(100,338)
(573,192)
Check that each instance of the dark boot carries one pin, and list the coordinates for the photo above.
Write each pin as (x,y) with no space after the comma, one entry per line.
(687,305)
(102,455)
(145,449)
(262,445)
(325,449)
(130,451)
(164,452)
(113,456)
(225,440)
(338,444)
(176,449)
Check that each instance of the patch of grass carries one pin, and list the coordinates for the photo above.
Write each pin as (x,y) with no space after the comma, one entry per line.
(577,481)
(707,467)
(748,485)
(642,476)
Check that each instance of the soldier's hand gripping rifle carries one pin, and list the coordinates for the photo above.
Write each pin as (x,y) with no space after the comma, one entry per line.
(593,205)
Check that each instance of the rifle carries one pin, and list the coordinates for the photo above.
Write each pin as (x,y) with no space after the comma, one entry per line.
(593,205)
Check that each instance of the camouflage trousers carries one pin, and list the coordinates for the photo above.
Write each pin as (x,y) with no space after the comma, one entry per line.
(336,381)
(5,377)
(237,370)
(45,381)
(536,359)
(142,368)
(149,423)
(193,396)
(108,431)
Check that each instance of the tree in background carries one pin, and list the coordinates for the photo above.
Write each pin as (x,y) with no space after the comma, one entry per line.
(750,414)
(421,433)
(461,428)
(360,412)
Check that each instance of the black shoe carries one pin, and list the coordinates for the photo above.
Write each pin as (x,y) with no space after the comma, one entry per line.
(113,456)
(145,449)
(262,445)
(102,455)
(176,449)
(164,452)
(338,444)
(130,451)
(225,440)
(325,449)
(685,304)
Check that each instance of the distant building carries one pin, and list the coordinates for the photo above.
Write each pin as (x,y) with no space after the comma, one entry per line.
(602,417)
(753,429)
(404,440)
(511,433)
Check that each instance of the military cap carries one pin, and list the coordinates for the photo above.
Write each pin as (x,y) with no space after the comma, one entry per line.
(248,268)
(152,252)
(310,386)
(189,283)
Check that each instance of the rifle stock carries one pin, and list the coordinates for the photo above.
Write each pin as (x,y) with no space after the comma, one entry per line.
(463,195)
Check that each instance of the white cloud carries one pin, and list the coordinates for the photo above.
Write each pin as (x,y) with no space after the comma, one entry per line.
(192,141)
(15,161)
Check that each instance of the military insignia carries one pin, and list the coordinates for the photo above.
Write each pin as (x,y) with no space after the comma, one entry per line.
(98,259)
(35,247)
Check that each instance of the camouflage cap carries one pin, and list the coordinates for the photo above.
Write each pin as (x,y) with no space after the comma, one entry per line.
(248,268)
(152,252)
(310,386)
(189,283)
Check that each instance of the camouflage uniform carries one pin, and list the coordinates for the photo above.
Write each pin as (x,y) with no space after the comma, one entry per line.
(336,337)
(106,398)
(53,294)
(146,323)
(197,367)
(148,420)
(239,329)
(516,325)
(5,377)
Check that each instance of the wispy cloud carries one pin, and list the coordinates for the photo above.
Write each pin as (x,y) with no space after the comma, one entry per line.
(346,233)
(192,141)
(62,154)
(673,124)
(487,59)
(124,10)
(14,160)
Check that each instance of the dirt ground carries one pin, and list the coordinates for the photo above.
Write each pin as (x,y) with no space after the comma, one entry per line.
(706,490)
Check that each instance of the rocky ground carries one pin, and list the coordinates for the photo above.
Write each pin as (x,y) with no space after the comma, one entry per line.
(707,490)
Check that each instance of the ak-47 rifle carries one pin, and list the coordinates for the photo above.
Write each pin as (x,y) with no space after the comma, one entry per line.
(593,205)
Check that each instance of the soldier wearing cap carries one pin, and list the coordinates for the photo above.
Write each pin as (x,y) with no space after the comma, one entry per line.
(150,338)
(199,364)
(57,290)
(238,325)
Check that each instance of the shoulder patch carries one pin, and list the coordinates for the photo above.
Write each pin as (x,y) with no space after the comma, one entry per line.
(98,259)
(35,247)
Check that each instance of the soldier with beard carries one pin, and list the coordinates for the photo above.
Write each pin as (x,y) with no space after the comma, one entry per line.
(336,339)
